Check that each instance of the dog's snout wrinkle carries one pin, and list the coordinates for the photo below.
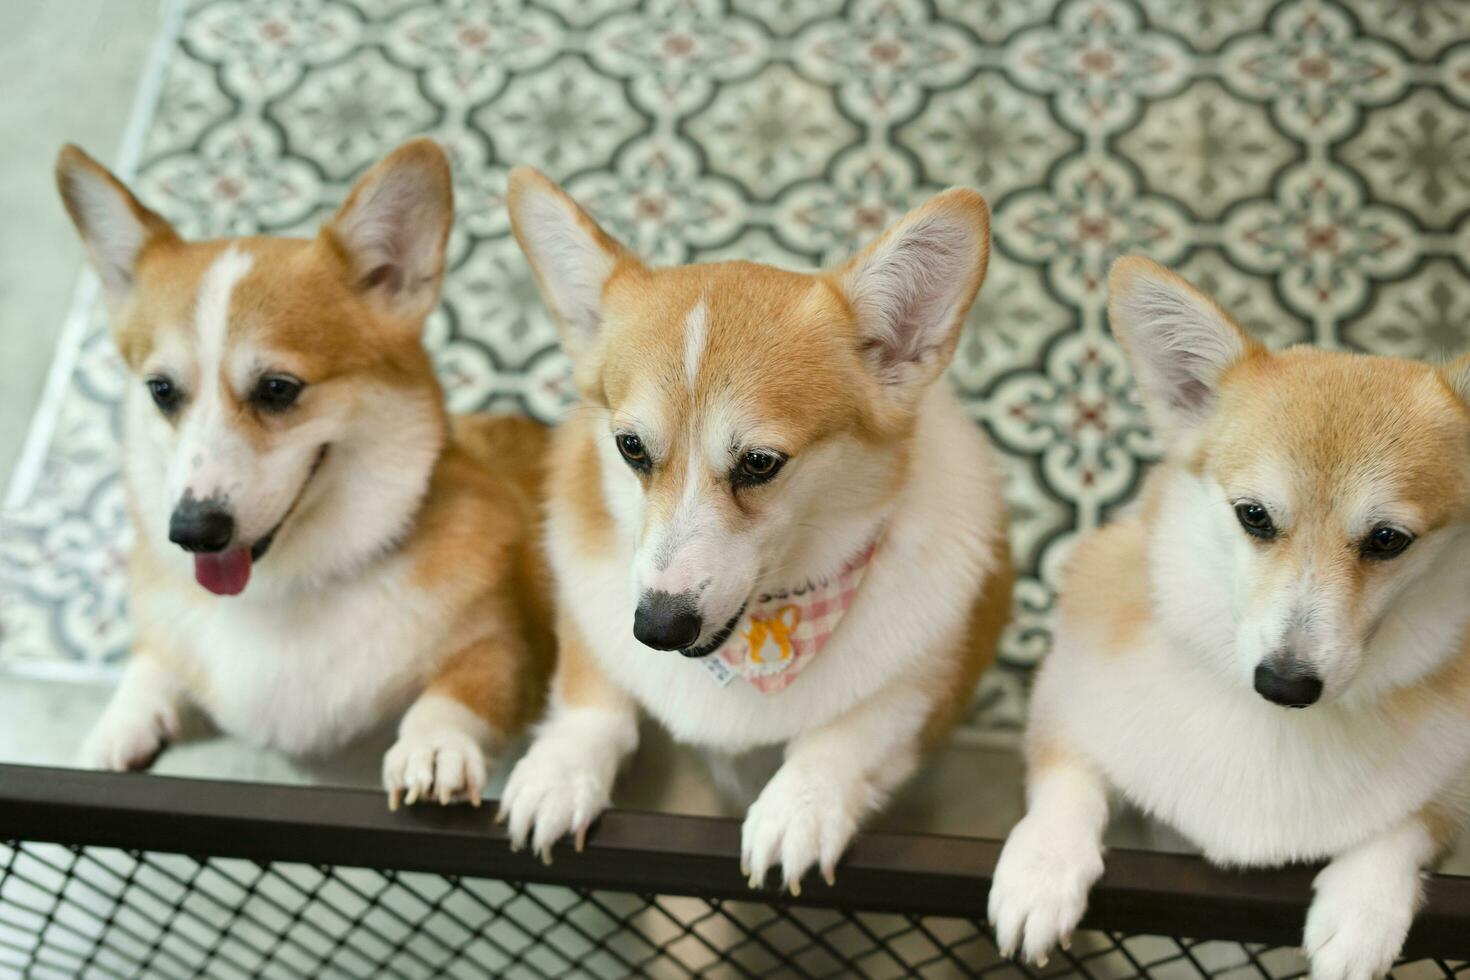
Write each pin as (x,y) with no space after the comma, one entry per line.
(1289,683)
(201,526)
(667,621)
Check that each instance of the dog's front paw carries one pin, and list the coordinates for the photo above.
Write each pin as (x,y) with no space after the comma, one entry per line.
(804,818)
(1356,926)
(446,764)
(129,735)
(559,787)
(1040,888)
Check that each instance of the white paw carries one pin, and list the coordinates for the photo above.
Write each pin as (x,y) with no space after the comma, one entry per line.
(804,818)
(558,788)
(447,765)
(1040,888)
(1356,928)
(129,735)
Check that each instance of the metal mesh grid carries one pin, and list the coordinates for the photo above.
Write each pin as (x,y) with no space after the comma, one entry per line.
(70,911)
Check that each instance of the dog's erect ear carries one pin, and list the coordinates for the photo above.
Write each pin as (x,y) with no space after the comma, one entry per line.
(1179,341)
(393,229)
(115,228)
(572,257)
(912,288)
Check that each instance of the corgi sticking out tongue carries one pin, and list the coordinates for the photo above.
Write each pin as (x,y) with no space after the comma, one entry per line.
(223,572)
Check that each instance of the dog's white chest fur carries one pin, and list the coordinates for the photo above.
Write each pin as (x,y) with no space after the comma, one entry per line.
(303,673)
(1247,781)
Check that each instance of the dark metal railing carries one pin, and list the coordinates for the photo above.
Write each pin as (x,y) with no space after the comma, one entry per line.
(659,857)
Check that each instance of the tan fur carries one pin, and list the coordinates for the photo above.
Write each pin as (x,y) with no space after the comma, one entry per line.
(1106,592)
(804,341)
(987,621)
(487,678)
(814,370)
(578,487)
(477,543)
(807,331)
(579,682)
(1376,400)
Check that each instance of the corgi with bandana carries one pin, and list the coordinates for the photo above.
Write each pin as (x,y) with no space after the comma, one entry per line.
(770,522)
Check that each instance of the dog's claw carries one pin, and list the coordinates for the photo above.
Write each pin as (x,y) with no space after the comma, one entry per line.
(829,875)
(795,887)
(581,841)
(393,800)
(1041,960)
(546,855)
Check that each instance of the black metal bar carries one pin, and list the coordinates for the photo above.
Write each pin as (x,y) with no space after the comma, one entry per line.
(1142,892)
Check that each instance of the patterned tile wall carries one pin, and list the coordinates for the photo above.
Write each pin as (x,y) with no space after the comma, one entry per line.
(1308,161)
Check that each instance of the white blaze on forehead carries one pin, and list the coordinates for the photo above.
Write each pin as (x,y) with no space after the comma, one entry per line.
(681,550)
(212,311)
(696,329)
(211,459)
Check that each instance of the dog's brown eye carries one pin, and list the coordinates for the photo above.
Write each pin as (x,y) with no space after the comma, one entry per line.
(758,466)
(633,451)
(276,392)
(1255,519)
(1385,542)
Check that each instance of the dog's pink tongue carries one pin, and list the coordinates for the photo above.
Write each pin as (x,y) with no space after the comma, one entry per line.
(224,572)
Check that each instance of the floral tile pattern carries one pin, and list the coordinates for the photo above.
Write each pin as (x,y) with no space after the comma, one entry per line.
(1304,160)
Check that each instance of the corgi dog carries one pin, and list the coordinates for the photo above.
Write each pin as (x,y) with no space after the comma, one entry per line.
(317,547)
(751,439)
(1272,656)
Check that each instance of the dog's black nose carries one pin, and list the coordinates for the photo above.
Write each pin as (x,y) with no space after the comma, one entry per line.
(666,621)
(201,525)
(1292,685)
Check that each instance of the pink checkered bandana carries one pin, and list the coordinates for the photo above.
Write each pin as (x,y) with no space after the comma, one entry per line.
(782,631)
